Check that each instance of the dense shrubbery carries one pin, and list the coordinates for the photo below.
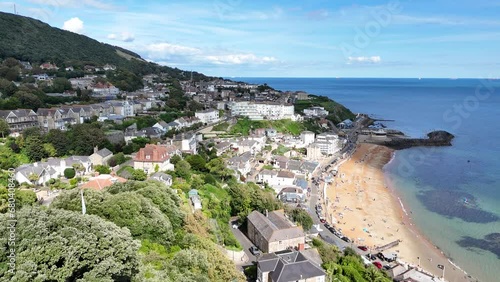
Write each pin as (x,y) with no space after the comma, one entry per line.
(337,112)
(244,126)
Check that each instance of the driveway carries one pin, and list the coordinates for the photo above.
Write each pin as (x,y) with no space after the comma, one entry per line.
(244,242)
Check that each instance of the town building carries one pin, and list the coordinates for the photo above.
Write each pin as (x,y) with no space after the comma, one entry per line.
(316,112)
(153,158)
(162,177)
(20,119)
(102,181)
(100,157)
(274,232)
(208,116)
(307,137)
(290,266)
(262,110)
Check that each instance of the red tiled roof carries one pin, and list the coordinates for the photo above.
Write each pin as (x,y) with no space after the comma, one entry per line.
(102,181)
(152,153)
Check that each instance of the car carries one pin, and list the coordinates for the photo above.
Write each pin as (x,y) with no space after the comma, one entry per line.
(235,226)
(363,248)
(377,264)
(387,267)
(327,225)
(371,257)
(322,220)
(254,250)
(381,256)
(332,229)
(346,239)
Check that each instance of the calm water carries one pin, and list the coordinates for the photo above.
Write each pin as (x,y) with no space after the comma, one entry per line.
(453,192)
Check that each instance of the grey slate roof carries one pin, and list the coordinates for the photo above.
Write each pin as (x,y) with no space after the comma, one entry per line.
(274,227)
(289,266)
(104,152)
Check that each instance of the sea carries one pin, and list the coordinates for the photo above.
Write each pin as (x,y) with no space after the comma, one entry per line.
(452,193)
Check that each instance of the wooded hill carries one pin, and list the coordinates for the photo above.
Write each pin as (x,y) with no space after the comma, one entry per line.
(31,40)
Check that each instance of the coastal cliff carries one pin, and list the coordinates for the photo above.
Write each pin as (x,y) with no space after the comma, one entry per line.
(435,138)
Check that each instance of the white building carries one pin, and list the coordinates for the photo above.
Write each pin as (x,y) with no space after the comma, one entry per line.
(316,112)
(307,137)
(208,116)
(262,110)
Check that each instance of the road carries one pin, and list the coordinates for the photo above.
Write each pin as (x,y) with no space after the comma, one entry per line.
(245,244)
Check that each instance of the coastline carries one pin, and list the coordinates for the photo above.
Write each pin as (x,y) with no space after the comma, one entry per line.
(374,214)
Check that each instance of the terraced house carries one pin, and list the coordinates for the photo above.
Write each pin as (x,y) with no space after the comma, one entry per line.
(20,119)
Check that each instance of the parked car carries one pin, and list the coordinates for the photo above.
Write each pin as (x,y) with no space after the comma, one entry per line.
(255,251)
(381,256)
(377,264)
(346,239)
(327,225)
(371,256)
(322,220)
(363,248)
(387,267)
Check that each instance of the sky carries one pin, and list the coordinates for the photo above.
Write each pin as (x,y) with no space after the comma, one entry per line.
(285,38)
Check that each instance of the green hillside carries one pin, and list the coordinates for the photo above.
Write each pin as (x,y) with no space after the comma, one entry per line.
(31,40)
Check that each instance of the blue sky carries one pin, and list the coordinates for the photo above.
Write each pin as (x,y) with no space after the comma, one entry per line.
(308,38)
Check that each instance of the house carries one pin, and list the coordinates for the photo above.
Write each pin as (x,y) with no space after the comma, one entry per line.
(55,118)
(70,68)
(102,181)
(163,126)
(48,66)
(37,173)
(241,163)
(291,266)
(195,199)
(222,147)
(186,142)
(314,152)
(123,108)
(153,158)
(162,177)
(284,178)
(266,176)
(345,124)
(20,119)
(307,137)
(108,67)
(26,65)
(208,116)
(105,89)
(274,232)
(316,112)
(152,132)
(292,194)
(100,157)
(251,146)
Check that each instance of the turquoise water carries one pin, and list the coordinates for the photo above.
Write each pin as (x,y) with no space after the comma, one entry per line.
(453,192)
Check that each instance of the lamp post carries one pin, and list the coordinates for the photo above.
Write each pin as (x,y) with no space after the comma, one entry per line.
(418,261)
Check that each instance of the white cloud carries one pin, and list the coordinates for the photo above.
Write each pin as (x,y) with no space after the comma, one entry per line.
(238,59)
(371,60)
(74,25)
(165,49)
(124,36)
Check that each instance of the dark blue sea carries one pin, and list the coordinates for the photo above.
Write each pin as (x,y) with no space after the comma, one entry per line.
(453,192)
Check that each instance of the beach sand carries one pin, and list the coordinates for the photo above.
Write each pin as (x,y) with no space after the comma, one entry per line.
(369,212)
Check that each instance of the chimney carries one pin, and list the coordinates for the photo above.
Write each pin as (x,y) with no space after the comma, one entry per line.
(96,149)
(267,213)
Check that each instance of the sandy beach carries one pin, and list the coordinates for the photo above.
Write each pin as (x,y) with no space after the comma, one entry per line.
(366,209)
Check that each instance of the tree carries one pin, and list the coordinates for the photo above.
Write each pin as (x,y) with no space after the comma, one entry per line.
(67,239)
(183,169)
(196,162)
(34,148)
(102,169)
(4,128)
(27,98)
(175,159)
(78,167)
(50,150)
(302,217)
(58,139)
(84,137)
(33,177)
(69,173)
(217,166)
(139,175)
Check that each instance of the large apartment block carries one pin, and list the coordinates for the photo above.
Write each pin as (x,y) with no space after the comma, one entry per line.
(262,110)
